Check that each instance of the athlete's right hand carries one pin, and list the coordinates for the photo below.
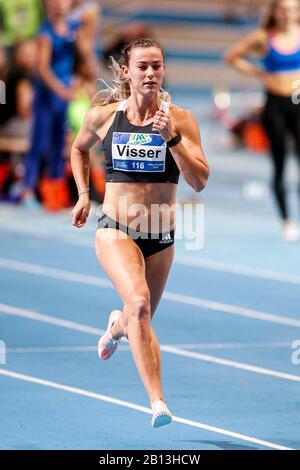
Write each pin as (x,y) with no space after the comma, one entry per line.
(81,211)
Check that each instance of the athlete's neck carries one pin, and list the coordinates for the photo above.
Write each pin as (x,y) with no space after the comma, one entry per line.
(140,109)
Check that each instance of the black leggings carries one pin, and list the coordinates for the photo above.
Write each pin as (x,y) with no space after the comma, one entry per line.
(281,116)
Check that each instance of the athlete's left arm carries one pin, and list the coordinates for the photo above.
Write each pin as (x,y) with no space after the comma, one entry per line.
(188,153)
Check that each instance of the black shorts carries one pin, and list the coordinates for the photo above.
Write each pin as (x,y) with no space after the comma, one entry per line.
(148,243)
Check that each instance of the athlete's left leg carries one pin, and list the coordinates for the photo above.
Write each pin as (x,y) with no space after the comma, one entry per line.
(157,268)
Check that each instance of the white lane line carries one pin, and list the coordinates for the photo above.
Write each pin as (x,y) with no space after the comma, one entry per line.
(9,310)
(266,345)
(184,260)
(133,406)
(21,312)
(231,309)
(47,234)
(237,269)
(171,296)
(54,273)
(229,363)
(123,347)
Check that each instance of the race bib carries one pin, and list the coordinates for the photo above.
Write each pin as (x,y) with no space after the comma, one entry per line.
(138,152)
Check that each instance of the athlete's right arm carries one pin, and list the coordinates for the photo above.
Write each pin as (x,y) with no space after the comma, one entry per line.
(84,141)
(237,55)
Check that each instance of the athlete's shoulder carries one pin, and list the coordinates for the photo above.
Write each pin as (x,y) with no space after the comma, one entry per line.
(181,115)
(97,115)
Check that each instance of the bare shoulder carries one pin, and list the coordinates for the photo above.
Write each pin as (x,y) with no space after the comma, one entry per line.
(97,115)
(182,117)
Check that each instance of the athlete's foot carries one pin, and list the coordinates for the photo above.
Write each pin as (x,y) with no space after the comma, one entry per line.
(117,328)
(161,414)
(107,344)
(290,231)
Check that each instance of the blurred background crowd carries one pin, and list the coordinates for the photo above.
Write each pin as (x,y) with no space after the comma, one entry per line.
(43,98)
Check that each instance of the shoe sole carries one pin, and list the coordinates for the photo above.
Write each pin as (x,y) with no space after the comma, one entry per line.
(161,419)
(108,354)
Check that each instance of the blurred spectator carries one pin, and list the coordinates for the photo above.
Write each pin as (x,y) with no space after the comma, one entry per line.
(15,117)
(131,32)
(88,13)
(86,72)
(15,114)
(3,64)
(53,89)
(19,20)
(277,43)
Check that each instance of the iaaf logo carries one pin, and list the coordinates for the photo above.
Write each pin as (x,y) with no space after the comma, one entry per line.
(139,139)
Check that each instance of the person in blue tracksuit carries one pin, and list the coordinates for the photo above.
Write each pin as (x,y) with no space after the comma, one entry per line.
(53,90)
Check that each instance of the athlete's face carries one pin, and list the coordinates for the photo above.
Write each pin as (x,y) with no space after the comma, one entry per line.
(145,70)
(287,12)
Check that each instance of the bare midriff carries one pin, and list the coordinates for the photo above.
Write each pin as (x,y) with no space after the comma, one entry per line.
(153,204)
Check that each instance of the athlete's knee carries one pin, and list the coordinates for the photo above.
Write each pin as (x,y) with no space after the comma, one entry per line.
(138,306)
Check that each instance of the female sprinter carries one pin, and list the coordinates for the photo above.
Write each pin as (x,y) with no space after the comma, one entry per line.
(145,149)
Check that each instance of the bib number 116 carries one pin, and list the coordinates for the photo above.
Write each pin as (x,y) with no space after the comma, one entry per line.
(138,165)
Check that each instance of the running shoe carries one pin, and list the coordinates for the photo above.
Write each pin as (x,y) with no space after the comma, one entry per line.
(161,414)
(107,345)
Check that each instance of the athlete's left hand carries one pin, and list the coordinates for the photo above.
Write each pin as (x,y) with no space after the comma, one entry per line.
(162,122)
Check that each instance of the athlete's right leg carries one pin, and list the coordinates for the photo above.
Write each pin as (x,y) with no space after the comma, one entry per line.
(124,263)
